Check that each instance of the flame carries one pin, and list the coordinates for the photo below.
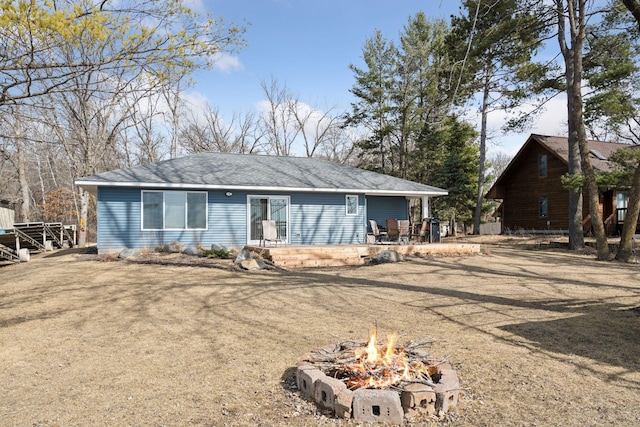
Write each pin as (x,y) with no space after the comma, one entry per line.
(372,350)
(389,352)
(377,369)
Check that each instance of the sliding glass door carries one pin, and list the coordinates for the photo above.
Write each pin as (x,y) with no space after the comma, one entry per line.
(274,208)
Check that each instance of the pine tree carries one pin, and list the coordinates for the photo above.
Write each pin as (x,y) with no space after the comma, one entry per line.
(494,43)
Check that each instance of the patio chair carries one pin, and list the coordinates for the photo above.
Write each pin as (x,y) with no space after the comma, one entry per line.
(377,233)
(270,233)
(404,230)
(393,232)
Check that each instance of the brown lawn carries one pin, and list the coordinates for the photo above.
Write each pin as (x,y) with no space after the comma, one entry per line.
(538,337)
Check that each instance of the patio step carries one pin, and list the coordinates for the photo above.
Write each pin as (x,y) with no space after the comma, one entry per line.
(319,256)
(326,262)
(295,256)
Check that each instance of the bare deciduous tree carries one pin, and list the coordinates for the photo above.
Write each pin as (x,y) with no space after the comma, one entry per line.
(278,123)
(212,133)
(316,127)
(145,142)
(130,34)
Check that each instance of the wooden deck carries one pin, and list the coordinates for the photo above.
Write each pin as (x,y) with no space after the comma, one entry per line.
(298,256)
(34,237)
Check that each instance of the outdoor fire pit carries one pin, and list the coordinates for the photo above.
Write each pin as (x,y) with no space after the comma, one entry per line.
(378,382)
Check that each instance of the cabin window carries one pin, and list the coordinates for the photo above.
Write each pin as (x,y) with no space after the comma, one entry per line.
(542,165)
(622,203)
(543,207)
(352,204)
(174,210)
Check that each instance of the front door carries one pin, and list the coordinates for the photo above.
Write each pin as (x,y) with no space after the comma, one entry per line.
(274,208)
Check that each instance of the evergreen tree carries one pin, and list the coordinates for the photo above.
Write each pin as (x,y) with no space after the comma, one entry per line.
(454,167)
(373,109)
(612,110)
(494,43)
(572,29)
(400,93)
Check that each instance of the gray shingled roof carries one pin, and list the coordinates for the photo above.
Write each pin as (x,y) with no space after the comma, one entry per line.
(257,172)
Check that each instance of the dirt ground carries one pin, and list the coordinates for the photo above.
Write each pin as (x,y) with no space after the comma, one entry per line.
(539,337)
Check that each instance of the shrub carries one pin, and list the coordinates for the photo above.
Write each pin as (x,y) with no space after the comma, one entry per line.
(216,253)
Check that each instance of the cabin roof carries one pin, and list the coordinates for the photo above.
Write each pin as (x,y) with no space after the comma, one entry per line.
(257,172)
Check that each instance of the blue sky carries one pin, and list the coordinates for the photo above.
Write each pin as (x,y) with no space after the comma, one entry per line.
(308,46)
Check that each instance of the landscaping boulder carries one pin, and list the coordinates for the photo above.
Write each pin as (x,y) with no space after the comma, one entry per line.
(128,253)
(191,250)
(243,256)
(219,247)
(174,247)
(253,264)
(387,256)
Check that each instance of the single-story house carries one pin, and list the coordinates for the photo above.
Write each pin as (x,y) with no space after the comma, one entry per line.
(531,193)
(222,198)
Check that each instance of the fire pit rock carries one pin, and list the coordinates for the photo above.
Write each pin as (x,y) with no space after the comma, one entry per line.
(319,380)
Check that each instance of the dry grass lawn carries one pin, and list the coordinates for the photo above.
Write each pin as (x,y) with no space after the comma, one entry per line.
(539,338)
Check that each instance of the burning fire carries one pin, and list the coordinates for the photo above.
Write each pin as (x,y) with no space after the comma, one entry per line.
(377,367)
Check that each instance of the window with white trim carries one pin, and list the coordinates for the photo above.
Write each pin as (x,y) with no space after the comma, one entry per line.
(174,210)
(351,202)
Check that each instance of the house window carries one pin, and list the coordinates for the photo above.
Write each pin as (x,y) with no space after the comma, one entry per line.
(543,207)
(174,210)
(352,204)
(622,203)
(152,210)
(542,165)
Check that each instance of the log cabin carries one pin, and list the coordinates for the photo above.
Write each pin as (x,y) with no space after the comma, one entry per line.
(532,198)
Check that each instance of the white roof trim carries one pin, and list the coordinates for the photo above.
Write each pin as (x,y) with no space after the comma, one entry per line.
(89,185)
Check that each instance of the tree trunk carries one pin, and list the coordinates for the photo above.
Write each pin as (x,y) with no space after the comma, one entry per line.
(576,236)
(594,200)
(24,214)
(453,226)
(483,152)
(577,15)
(576,232)
(630,219)
(84,213)
(633,207)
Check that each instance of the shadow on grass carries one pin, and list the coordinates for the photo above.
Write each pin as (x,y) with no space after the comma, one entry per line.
(89,250)
(604,335)
(596,327)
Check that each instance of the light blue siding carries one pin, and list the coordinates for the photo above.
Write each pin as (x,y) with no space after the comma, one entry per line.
(228,218)
(322,219)
(314,218)
(119,221)
(380,208)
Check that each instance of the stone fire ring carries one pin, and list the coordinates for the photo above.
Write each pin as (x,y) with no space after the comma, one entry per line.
(374,405)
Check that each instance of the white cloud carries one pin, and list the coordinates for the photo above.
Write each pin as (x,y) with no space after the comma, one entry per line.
(227,63)
(552,121)
(196,104)
(196,5)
